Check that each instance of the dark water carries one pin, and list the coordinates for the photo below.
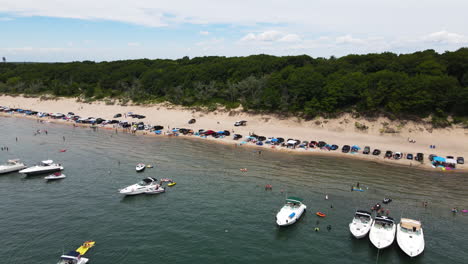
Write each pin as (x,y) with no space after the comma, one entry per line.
(215,213)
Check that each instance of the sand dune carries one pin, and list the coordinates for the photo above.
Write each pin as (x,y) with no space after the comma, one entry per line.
(340,131)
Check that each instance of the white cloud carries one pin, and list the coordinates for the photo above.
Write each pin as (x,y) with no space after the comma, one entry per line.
(270,36)
(204,33)
(290,38)
(133,44)
(445,37)
(348,39)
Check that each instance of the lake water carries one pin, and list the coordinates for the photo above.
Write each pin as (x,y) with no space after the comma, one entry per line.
(215,213)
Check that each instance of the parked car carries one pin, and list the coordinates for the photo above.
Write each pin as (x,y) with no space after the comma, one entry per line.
(460,160)
(321,144)
(409,156)
(240,123)
(192,121)
(345,149)
(334,147)
(419,157)
(366,150)
(388,154)
(117,115)
(237,136)
(376,152)
(397,155)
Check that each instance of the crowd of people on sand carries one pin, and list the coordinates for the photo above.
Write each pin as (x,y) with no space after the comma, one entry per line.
(252,139)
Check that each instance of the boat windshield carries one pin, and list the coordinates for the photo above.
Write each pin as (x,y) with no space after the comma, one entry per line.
(383,223)
(143,183)
(362,218)
(411,231)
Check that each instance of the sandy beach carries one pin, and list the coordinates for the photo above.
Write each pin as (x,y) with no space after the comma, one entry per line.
(381,133)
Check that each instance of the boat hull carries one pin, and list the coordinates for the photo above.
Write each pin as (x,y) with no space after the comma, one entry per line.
(38,172)
(410,243)
(283,218)
(8,169)
(360,229)
(382,237)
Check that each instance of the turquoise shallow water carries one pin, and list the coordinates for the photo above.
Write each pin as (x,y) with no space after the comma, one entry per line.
(215,213)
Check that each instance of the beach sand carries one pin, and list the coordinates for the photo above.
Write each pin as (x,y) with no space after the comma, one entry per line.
(341,131)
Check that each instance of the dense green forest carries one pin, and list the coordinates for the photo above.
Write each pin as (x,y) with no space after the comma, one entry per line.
(400,86)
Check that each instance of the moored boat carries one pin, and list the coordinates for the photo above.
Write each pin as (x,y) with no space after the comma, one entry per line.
(76,257)
(290,212)
(143,186)
(46,166)
(382,232)
(11,166)
(361,224)
(140,167)
(55,176)
(410,237)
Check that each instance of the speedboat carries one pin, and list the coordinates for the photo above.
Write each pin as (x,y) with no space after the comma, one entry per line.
(382,232)
(147,184)
(155,189)
(46,166)
(290,212)
(76,257)
(11,166)
(55,176)
(140,167)
(410,237)
(361,224)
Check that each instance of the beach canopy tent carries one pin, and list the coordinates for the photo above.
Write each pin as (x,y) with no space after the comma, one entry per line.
(158,132)
(220,132)
(452,161)
(274,140)
(175,130)
(439,159)
(292,141)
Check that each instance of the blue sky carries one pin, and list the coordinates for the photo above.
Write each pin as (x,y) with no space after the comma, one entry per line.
(99,30)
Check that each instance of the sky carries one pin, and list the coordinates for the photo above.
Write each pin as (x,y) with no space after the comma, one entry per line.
(107,30)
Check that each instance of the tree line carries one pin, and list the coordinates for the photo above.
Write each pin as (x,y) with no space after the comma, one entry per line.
(407,85)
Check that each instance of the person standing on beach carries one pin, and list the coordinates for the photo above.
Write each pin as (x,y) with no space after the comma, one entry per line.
(16,139)
(63,138)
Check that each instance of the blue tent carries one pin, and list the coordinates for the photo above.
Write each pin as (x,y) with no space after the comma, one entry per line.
(175,130)
(356,147)
(274,140)
(220,132)
(437,158)
(158,132)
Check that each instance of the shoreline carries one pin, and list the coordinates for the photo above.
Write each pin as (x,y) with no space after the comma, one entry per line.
(177,117)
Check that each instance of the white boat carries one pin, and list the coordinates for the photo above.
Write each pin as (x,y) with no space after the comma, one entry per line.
(156,189)
(147,184)
(410,237)
(140,167)
(290,212)
(11,166)
(46,166)
(361,224)
(382,232)
(72,257)
(55,176)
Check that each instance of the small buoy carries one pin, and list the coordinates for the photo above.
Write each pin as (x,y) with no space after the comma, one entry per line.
(320,214)
(317,229)
(326,196)
(63,150)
